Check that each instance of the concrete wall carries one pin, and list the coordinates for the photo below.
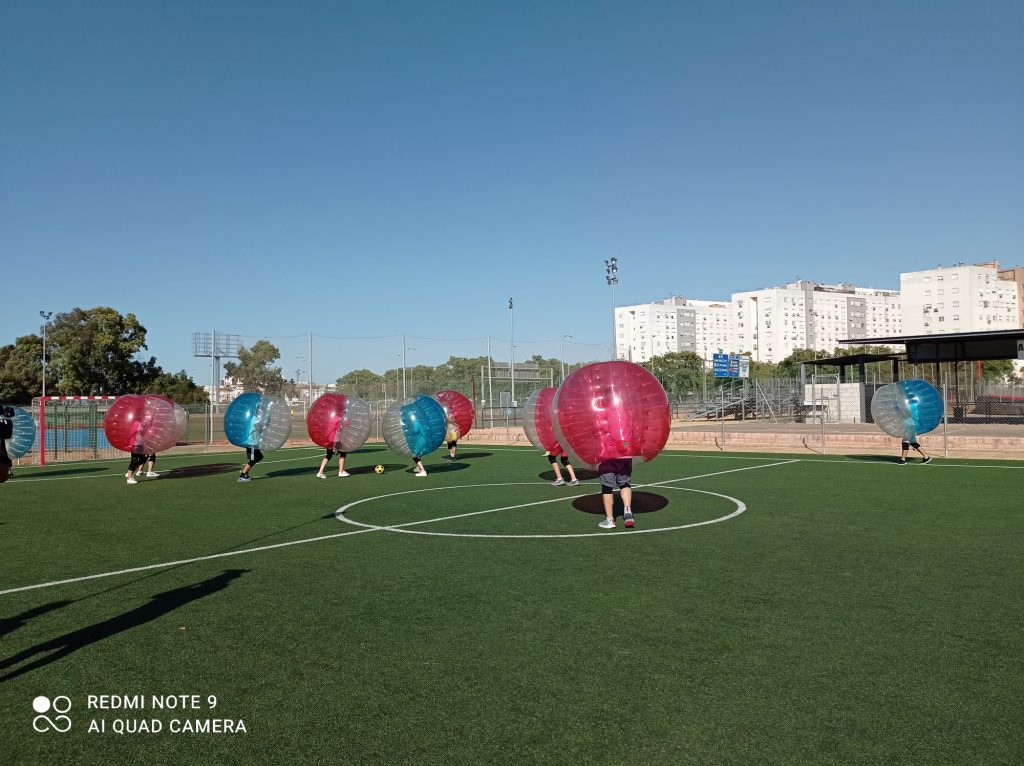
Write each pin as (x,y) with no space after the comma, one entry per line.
(844,402)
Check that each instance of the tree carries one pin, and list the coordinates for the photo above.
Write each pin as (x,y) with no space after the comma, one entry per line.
(790,366)
(762,370)
(362,383)
(680,372)
(21,369)
(253,369)
(998,371)
(93,351)
(179,387)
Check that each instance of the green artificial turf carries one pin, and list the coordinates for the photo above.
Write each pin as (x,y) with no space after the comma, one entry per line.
(855,612)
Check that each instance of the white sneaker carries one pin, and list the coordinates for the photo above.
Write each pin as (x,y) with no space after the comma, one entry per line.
(607,523)
(558,482)
(343,474)
(132,480)
(320,476)
(138,472)
(151,474)
(627,516)
(419,474)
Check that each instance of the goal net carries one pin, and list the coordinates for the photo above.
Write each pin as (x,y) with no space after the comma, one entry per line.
(71,428)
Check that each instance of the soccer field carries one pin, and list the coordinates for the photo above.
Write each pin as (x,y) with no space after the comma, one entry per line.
(767,609)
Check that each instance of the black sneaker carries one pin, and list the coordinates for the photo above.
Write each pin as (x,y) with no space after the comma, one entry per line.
(902,461)
(926,460)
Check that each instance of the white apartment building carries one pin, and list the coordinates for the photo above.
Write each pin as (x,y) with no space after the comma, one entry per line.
(961,298)
(773,322)
(769,323)
(673,325)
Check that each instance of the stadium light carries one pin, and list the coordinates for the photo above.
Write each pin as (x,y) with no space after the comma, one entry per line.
(562,357)
(46,320)
(611,268)
(512,349)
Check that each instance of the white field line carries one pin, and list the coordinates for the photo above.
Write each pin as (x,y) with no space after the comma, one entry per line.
(213,556)
(121,475)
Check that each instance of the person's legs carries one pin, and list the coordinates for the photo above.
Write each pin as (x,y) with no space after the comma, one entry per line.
(608,500)
(136,462)
(328,454)
(925,457)
(254,456)
(418,469)
(150,465)
(559,481)
(453,447)
(904,449)
(573,481)
(341,464)
(626,493)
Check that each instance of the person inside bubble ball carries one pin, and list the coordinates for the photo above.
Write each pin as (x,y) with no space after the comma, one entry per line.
(138,455)
(253,454)
(905,446)
(335,450)
(417,460)
(616,473)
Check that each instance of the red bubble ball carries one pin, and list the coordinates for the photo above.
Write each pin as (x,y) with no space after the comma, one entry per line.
(339,422)
(611,410)
(458,408)
(141,424)
(537,420)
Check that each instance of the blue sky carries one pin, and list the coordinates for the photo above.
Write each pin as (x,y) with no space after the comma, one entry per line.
(367,169)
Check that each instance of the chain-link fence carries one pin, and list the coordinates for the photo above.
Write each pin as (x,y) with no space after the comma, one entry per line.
(823,414)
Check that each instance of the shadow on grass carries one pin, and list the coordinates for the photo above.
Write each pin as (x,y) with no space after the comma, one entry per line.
(363,470)
(38,473)
(445,467)
(331,471)
(643,502)
(584,475)
(159,605)
(472,455)
(11,624)
(193,471)
(874,458)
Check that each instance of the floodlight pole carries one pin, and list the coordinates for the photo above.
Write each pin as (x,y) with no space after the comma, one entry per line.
(512,349)
(46,320)
(562,358)
(404,395)
(490,382)
(611,267)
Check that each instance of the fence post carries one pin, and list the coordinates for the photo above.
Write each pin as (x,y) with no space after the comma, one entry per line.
(945,441)
(721,412)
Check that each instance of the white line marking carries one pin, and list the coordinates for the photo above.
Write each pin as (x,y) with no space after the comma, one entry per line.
(121,475)
(366,528)
(168,564)
(404,528)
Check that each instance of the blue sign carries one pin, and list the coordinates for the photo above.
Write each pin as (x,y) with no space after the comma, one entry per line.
(726,365)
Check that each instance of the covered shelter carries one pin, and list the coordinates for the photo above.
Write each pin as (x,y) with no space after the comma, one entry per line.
(952,348)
